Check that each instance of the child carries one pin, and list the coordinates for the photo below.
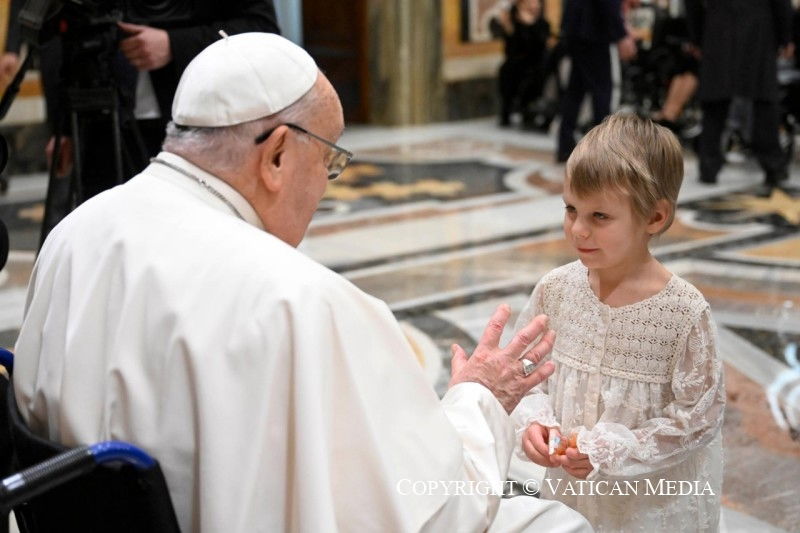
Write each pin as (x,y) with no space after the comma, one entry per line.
(638,379)
(525,33)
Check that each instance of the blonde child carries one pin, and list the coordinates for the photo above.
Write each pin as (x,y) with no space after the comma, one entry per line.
(638,379)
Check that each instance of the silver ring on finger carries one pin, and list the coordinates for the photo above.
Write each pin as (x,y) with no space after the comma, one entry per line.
(527,367)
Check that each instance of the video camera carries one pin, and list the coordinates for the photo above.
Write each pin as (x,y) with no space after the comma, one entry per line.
(90,26)
(93,97)
(41,20)
(89,31)
(4,243)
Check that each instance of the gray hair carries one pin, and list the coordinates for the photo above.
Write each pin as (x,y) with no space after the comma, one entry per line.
(224,149)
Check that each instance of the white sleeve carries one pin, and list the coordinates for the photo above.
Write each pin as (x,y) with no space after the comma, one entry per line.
(689,422)
(488,439)
(424,463)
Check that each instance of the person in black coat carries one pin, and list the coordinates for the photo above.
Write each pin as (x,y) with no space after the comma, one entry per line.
(525,33)
(165,48)
(588,27)
(738,42)
(153,52)
(156,43)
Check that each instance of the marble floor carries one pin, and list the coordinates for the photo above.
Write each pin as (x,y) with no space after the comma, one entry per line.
(444,222)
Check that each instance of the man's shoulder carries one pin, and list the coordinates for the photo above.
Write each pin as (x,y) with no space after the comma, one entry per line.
(274,258)
(264,262)
(180,238)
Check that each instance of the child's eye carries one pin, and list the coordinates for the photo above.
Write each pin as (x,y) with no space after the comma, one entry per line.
(600,216)
(569,208)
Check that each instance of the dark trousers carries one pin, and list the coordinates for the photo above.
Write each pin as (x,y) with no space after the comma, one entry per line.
(765,143)
(590,72)
(520,83)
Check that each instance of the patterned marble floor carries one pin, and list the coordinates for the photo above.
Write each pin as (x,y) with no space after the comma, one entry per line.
(444,222)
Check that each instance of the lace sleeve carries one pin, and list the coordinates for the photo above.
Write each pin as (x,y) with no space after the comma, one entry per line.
(689,422)
(535,406)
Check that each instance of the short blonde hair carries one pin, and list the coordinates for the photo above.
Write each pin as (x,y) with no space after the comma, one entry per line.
(631,154)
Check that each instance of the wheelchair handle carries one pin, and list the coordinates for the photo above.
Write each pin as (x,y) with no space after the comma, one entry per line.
(66,466)
(114,450)
(7,360)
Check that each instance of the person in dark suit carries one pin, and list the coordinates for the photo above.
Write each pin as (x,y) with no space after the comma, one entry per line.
(588,28)
(156,43)
(164,49)
(150,61)
(738,42)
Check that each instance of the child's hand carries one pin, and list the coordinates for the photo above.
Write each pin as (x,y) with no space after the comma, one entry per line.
(574,463)
(534,444)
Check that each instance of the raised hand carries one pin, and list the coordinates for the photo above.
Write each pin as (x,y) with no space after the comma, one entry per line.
(501,370)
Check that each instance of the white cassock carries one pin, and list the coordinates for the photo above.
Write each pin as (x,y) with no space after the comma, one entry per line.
(275,394)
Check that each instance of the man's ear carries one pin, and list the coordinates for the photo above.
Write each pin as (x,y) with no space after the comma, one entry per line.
(662,212)
(273,159)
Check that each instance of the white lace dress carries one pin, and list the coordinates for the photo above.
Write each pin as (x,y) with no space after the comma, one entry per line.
(642,385)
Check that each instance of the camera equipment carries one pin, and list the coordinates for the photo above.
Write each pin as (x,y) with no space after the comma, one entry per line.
(4,244)
(96,90)
(92,106)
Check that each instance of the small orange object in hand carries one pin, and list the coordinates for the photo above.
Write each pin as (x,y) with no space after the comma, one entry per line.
(573,440)
(558,444)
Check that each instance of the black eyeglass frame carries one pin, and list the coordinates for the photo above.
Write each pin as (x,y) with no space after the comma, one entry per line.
(332,173)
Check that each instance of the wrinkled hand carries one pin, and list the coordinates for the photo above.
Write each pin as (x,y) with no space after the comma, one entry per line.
(499,369)
(627,48)
(146,48)
(65,155)
(574,463)
(534,444)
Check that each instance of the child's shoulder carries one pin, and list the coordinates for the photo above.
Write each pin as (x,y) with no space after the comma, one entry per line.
(569,274)
(685,296)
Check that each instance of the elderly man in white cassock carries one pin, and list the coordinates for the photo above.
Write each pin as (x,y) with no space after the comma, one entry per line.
(174,312)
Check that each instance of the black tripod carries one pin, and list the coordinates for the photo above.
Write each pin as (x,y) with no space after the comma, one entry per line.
(94,105)
(96,108)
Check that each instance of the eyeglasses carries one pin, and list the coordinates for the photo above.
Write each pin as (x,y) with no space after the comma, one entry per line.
(335,161)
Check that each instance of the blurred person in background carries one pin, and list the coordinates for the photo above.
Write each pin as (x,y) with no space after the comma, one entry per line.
(525,33)
(738,43)
(673,34)
(588,29)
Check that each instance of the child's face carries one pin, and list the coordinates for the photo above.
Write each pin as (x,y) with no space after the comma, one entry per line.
(604,230)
